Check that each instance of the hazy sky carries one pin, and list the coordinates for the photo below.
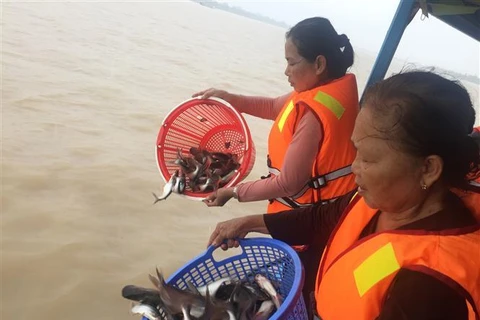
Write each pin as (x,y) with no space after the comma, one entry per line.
(429,42)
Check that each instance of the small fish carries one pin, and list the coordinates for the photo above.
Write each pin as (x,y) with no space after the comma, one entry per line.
(187,164)
(213,182)
(192,288)
(186,313)
(198,154)
(167,189)
(142,295)
(216,310)
(245,301)
(226,178)
(257,292)
(174,298)
(214,286)
(266,285)
(225,292)
(180,183)
(198,171)
(265,310)
(146,311)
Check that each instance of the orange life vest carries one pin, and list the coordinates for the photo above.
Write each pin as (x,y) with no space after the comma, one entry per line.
(336,105)
(354,275)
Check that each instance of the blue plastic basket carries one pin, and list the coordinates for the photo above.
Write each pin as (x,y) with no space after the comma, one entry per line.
(272,258)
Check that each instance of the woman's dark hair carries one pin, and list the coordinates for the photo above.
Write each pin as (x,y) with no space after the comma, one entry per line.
(316,36)
(426,114)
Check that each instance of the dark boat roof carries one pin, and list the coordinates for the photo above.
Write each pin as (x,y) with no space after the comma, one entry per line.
(463,15)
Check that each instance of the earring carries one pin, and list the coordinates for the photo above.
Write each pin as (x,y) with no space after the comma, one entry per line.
(424,187)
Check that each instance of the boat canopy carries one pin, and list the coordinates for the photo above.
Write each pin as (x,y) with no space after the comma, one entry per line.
(463,15)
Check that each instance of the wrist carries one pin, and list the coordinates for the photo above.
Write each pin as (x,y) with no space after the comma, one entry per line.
(235,192)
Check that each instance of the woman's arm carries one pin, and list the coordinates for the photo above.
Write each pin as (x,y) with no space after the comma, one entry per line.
(261,107)
(304,226)
(298,226)
(297,166)
(416,295)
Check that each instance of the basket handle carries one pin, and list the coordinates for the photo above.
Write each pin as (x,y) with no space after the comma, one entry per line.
(211,249)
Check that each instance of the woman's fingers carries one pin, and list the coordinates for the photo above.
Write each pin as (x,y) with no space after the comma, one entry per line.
(200,93)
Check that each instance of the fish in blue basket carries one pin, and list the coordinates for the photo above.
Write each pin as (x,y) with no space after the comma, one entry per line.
(260,295)
(213,310)
(245,300)
(167,189)
(214,286)
(142,295)
(146,311)
(217,310)
(265,311)
(173,298)
(266,285)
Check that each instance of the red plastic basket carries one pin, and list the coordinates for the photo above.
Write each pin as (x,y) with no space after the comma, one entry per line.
(212,124)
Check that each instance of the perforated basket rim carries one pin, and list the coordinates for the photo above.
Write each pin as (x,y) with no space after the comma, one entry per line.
(287,306)
(245,129)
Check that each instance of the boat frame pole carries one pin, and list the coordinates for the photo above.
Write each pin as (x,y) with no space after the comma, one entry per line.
(402,18)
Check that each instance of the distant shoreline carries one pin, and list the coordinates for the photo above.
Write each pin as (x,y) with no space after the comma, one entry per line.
(239,11)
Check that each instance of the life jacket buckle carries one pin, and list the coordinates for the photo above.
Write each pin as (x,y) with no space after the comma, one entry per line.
(318,182)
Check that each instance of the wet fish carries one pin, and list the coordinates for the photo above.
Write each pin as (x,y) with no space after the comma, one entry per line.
(216,310)
(213,182)
(226,178)
(146,311)
(265,311)
(174,298)
(143,295)
(180,183)
(266,285)
(186,313)
(199,170)
(167,189)
(187,165)
(192,288)
(214,286)
(257,292)
(202,165)
(245,301)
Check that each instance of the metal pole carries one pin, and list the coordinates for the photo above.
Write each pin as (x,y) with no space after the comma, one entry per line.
(392,39)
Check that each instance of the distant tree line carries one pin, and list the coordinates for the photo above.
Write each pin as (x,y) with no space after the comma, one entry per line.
(236,10)
(467,77)
(241,12)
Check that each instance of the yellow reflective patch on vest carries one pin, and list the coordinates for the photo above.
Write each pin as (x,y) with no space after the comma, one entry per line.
(285,115)
(330,103)
(378,266)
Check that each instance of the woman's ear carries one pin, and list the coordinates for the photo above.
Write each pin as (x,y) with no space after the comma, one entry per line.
(320,65)
(432,170)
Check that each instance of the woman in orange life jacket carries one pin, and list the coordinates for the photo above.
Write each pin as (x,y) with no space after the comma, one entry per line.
(404,246)
(309,150)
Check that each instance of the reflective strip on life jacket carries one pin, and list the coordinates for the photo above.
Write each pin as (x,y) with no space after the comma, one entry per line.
(330,103)
(285,115)
(320,181)
(475,183)
(288,201)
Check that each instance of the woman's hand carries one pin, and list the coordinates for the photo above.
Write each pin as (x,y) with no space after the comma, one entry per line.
(219,198)
(227,233)
(212,92)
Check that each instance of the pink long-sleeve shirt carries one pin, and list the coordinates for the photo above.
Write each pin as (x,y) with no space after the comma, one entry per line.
(300,155)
